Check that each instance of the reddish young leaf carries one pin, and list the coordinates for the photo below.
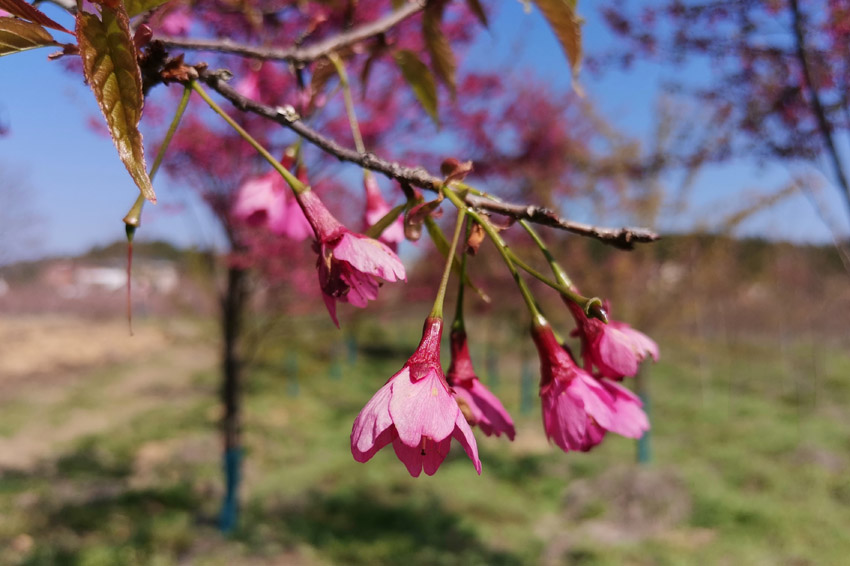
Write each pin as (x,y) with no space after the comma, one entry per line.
(26,11)
(561,15)
(442,58)
(420,79)
(111,69)
(18,35)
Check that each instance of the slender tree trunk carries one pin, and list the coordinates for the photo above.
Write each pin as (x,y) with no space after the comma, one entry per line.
(232,305)
(817,106)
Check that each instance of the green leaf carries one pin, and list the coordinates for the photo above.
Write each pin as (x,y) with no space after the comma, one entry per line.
(18,35)
(562,17)
(27,12)
(442,58)
(112,71)
(476,8)
(136,7)
(420,79)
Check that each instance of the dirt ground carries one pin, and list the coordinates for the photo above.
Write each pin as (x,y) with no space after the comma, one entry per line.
(50,365)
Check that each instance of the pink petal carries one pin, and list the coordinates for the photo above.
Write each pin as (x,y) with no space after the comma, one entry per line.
(435,453)
(291,222)
(373,427)
(362,287)
(495,418)
(564,419)
(629,419)
(616,356)
(423,408)
(330,303)
(369,256)
(464,435)
(595,399)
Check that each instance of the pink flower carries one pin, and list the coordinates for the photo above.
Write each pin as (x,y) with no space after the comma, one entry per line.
(377,208)
(577,408)
(615,349)
(262,201)
(477,403)
(415,412)
(176,22)
(348,263)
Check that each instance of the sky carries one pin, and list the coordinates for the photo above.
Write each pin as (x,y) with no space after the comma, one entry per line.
(79,190)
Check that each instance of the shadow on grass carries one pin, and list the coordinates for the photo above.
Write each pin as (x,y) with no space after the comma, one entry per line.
(363,526)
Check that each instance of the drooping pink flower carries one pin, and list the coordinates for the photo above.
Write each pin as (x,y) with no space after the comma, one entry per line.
(578,409)
(615,349)
(478,403)
(349,264)
(377,208)
(415,412)
(264,201)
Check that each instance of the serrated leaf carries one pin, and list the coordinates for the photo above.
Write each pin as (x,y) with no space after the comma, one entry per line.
(27,12)
(112,71)
(136,7)
(442,58)
(18,35)
(420,79)
(476,8)
(562,17)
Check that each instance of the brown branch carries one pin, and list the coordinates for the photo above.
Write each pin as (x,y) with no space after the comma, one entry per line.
(817,105)
(301,56)
(623,238)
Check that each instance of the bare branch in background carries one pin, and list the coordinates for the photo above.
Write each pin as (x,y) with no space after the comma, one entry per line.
(301,56)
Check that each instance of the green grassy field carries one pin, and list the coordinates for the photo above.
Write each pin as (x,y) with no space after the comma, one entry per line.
(750,446)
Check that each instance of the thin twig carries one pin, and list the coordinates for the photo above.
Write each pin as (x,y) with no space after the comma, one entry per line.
(300,56)
(623,238)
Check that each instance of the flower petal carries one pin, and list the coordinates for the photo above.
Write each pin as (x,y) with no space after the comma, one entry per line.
(373,428)
(369,256)
(464,435)
(423,408)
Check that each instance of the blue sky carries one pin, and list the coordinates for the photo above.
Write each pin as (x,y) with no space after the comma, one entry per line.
(80,190)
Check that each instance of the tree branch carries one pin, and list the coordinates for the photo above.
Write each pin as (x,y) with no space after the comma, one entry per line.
(623,238)
(817,105)
(301,56)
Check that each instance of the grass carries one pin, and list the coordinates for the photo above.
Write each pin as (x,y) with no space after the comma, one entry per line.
(750,466)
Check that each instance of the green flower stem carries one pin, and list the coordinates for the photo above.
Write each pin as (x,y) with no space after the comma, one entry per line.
(500,244)
(437,311)
(592,306)
(293,182)
(560,275)
(461,283)
(133,218)
(349,103)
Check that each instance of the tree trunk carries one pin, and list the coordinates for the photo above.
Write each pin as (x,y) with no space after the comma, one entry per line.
(232,305)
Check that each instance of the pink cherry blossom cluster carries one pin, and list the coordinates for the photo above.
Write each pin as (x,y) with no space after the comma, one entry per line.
(420,409)
(578,407)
